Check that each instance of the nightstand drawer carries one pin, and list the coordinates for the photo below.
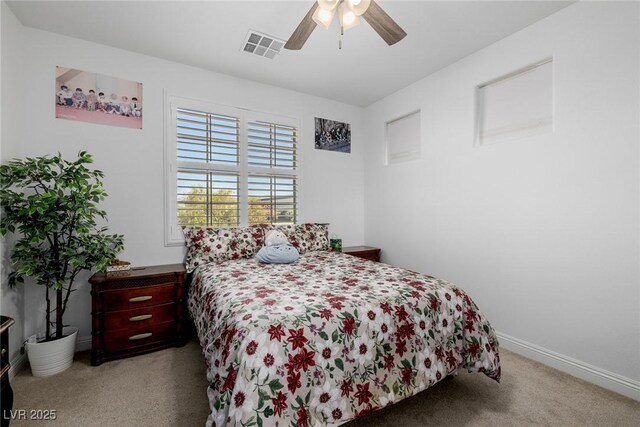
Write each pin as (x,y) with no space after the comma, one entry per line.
(139,336)
(151,315)
(125,299)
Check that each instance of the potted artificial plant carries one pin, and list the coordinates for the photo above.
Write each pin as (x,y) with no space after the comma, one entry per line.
(51,204)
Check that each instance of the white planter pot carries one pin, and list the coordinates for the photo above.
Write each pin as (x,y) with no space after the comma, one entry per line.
(52,357)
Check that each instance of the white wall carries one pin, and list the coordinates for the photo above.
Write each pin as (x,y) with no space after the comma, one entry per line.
(542,232)
(10,125)
(132,160)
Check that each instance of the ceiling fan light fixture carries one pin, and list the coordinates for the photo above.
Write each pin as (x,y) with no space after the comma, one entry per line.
(323,17)
(348,19)
(349,13)
(359,7)
(328,4)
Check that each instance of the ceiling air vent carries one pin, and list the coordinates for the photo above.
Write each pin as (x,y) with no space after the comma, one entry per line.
(262,45)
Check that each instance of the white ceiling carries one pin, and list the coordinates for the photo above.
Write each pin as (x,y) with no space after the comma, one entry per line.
(209,35)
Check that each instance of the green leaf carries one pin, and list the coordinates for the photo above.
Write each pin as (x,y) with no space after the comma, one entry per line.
(262,397)
(323,335)
(275,385)
(340,364)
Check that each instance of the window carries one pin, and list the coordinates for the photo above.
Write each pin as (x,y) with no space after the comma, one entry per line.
(517,105)
(403,138)
(227,167)
(207,196)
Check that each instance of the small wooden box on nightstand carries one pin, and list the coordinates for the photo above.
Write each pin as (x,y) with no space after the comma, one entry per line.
(366,252)
(137,311)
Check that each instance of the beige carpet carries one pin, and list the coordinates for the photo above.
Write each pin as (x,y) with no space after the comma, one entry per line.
(168,388)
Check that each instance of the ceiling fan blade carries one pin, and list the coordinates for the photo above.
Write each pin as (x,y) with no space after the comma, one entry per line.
(304,30)
(382,23)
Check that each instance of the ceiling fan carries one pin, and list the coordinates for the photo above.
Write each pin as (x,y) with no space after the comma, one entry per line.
(349,12)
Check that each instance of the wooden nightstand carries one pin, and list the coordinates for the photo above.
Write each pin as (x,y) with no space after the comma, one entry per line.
(366,252)
(137,311)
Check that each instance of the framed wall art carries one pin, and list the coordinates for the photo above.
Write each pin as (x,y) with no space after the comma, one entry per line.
(333,136)
(91,97)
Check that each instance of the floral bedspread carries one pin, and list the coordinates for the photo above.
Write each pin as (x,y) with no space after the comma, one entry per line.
(329,338)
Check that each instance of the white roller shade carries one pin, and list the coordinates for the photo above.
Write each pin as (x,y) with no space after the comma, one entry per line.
(403,138)
(517,105)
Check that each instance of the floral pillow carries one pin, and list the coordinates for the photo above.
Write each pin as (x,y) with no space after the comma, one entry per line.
(205,245)
(307,237)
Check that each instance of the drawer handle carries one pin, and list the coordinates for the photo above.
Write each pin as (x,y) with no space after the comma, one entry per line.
(139,318)
(140,299)
(140,336)
(4,352)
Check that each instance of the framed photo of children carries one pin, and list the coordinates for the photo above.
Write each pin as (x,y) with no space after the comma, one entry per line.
(333,136)
(90,97)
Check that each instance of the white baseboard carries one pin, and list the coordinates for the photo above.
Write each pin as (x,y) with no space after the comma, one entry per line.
(83,343)
(17,364)
(584,371)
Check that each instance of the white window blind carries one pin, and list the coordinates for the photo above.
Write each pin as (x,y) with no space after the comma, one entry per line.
(207,138)
(271,145)
(208,198)
(228,167)
(403,138)
(272,199)
(517,105)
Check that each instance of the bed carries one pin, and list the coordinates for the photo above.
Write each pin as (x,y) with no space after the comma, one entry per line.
(329,338)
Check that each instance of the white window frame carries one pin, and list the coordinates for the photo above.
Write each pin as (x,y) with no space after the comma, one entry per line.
(173,232)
